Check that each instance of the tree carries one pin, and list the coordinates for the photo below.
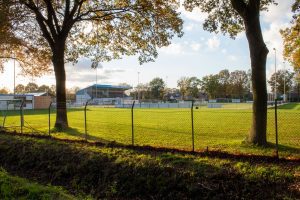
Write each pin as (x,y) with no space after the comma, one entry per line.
(71,93)
(53,90)
(224,77)
(296,84)
(46,88)
(20,89)
(31,87)
(284,80)
(157,86)
(33,61)
(232,17)
(144,90)
(291,37)
(4,91)
(194,85)
(183,84)
(210,85)
(238,83)
(101,30)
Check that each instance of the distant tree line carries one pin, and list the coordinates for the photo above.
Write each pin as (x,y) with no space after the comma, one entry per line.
(50,90)
(225,84)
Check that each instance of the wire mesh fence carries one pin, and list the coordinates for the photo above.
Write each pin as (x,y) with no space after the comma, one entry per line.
(190,125)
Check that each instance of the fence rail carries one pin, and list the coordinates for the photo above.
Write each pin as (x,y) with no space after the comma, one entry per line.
(195,128)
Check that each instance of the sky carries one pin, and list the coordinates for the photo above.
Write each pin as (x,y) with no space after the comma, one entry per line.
(198,53)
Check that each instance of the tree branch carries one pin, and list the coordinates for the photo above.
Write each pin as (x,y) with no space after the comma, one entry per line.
(52,17)
(41,21)
(240,7)
(112,12)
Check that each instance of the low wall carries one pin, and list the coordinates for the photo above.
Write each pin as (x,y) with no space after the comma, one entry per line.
(42,102)
(156,105)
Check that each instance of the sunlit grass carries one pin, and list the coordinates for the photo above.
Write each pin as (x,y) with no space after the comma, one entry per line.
(13,187)
(222,129)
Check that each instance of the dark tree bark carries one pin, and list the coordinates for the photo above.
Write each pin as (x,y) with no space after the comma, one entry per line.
(60,76)
(56,35)
(258,54)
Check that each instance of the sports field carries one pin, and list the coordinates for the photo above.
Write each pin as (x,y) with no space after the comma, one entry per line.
(218,128)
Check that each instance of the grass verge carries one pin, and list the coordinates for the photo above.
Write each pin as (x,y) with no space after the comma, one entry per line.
(13,187)
(109,172)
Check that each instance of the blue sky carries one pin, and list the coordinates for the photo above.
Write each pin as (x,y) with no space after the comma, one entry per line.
(197,53)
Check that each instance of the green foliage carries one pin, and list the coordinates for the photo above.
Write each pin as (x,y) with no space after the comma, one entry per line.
(226,84)
(284,80)
(222,14)
(210,85)
(189,86)
(157,86)
(31,87)
(291,39)
(100,30)
(260,172)
(13,187)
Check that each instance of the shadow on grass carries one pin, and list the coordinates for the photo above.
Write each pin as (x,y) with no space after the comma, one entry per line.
(284,148)
(272,147)
(132,175)
(10,113)
(74,132)
(150,150)
(290,106)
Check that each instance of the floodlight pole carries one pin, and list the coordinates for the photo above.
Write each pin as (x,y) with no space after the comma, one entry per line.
(284,75)
(96,81)
(14,76)
(275,73)
(138,86)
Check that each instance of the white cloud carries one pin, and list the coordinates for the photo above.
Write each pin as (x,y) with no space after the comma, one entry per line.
(224,51)
(189,27)
(273,38)
(213,43)
(195,46)
(277,18)
(281,12)
(196,15)
(173,49)
(232,58)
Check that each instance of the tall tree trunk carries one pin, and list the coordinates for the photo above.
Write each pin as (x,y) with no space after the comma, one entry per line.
(60,76)
(258,55)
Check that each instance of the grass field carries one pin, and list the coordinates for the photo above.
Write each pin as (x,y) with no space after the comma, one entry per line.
(223,129)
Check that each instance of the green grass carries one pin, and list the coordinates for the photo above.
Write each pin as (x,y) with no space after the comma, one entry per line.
(13,187)
(139,173)
(222,129)
(291,106)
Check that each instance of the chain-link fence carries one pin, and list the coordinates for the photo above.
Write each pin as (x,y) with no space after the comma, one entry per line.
(192,125)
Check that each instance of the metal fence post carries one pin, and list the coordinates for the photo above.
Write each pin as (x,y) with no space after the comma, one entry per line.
(132,124)
(49,119)
(85,123)
(22,116)
(276,129)
(193,134)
